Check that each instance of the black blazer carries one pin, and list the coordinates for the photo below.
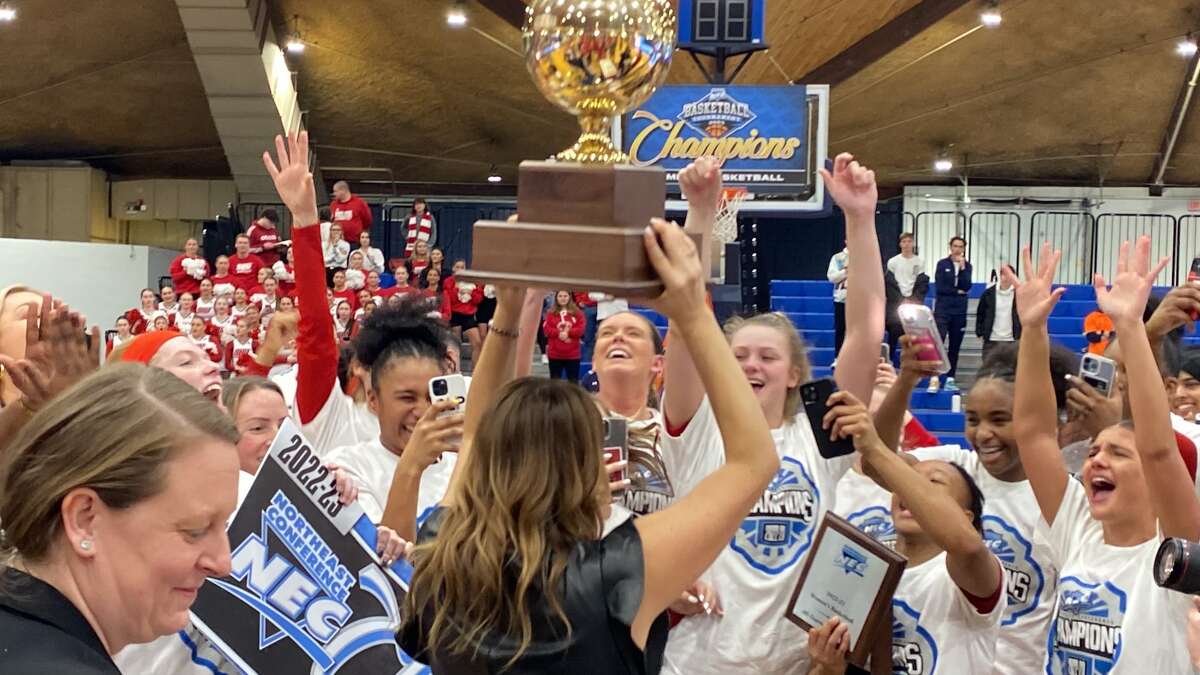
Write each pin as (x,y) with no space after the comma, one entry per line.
(42,633)
(985,315)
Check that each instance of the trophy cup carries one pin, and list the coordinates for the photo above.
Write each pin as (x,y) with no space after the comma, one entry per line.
(584,211)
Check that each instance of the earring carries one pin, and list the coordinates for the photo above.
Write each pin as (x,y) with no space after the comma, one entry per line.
(86,544)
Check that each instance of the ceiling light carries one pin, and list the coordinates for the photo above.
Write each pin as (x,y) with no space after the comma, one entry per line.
(295,45)
(991,18)
(457,16)
(494,176)
(1187,47)
(7,12)
(943,164)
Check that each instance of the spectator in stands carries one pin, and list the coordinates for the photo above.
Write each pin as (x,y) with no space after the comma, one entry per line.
(591,312)
(222,324)
(1185,399)
(839,264)
(372,257)
(224,283)
(241,301)
(188,268)
(343,320)
(563,326)
(206,300)
(419,227)
(268,299)
(169,304)
(337,252)
(1098,329)
(350,212)
(123,335)
(364,298)
(461,300)
(182,318)
(419,260)
(141,319)
(996,319)
(92,510)
(198,334)
(285,274)
(244,265)
(264,237)
(376,291)
(486,309)
(160,323)
(341,291)
(254,319)
(286,304)
(953,279)
(437,259)
(905,281)
(240,350)
(356,276)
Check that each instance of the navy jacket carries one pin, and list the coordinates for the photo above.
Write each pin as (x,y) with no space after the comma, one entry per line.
(952,288)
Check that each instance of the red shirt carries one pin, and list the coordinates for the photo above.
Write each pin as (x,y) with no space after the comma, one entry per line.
(262,243)
(181,280)
(349,295)
(353,215)
(245,270)
(574,323)
(286,287)
(457,306)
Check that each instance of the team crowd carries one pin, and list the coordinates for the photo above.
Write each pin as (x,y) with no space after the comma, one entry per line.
(535,551)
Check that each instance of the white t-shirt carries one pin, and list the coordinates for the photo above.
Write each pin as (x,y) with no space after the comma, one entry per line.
(756,574)
(1111,617)
(935,629)
(372,466)
(867,506)
(906,271)
(658,491)
(341,421)
(1013,532)
(1002,319)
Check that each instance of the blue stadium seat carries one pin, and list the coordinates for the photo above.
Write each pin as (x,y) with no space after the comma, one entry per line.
(812,288)
(1079,293)
(812,321)
(1076,343)
(821,356)
(821,371)
(802,304)
(818,338)
(953,439)
(1065,325)
(923,400)
(1076,308)
(938,421)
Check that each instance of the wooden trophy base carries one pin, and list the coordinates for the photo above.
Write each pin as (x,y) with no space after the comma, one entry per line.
(581,228)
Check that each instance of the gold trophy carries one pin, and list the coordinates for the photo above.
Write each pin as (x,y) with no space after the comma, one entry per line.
(582,213)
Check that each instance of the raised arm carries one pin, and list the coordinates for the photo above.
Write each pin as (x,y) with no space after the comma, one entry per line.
(1172,493)
(316,350)
(683,389)
(681,541)
(853,188)
(889,417)
(970,563)
(1035,423)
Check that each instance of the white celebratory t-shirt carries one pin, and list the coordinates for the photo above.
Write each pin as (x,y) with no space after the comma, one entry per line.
(756,574)
(867,506)
(1012,531)
(1110,617)
(340,421)
(654,489)
(936,630)
(372,466)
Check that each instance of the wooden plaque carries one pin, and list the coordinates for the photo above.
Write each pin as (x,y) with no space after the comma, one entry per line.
(866,573)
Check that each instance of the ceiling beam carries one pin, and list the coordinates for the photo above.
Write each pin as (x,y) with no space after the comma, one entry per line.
(511,11)
(881,42)
(1183,103)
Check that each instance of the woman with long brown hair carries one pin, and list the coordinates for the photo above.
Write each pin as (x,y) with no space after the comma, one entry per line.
(512,572)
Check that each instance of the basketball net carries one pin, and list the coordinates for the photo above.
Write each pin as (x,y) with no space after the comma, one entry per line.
(725,225)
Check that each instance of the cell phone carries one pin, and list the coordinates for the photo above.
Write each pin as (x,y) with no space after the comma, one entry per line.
(885,351)
(815,396)
(616,443)
(449,388)
(919,326)
(1098,372)
(1194,277)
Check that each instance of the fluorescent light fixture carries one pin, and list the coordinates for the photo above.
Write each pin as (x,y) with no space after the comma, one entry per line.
(456,17)
(991,18)
(7,12)
(943,164)
(1186,48)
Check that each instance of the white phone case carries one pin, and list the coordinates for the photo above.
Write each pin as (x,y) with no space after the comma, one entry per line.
(920,326)
(455,389)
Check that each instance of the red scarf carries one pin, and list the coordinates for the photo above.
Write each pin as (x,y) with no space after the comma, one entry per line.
(420,228)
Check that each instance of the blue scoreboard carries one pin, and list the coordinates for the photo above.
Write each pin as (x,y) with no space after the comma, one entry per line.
(731,25)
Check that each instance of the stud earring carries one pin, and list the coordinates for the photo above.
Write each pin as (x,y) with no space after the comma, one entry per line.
(86,544)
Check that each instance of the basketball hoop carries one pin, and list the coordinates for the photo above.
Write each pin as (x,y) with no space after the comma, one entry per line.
(725,223)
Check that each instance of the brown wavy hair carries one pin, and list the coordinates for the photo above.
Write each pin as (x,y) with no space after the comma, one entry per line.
(531,489)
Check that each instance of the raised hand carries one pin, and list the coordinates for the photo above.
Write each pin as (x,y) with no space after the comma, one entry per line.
(1126,300)
(852,186)
(293,180)
(700,182)
(849,418)
(674,257)
(57,353)
(1035,297)
(433,436)
(911,365)
(1175,310)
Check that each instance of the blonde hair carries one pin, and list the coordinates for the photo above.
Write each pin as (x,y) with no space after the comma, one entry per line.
(114,432)
(797,350)
(530,493)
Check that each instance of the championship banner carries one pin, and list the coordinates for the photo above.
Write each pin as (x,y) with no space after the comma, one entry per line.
(761,134)
(307,593)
